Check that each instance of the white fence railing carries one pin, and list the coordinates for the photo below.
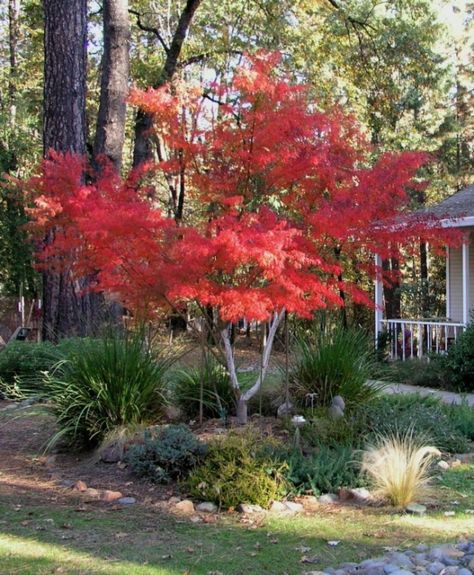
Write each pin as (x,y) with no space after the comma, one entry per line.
(416,338)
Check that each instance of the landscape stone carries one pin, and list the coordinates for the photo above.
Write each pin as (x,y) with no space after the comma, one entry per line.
(338,401)
(294,507)
(248,508)
(390,568)
(416,509)
(328,499)
(185,506)
(80,485)
(435,568)
(464,571)
(402,572)
(278,507)
(207,507)
(127,500)
(444,465)
(109,496)
(335,412)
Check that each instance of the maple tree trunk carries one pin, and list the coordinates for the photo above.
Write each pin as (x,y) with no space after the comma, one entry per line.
(110,131)
(65,311)
(143,149)
(243,398)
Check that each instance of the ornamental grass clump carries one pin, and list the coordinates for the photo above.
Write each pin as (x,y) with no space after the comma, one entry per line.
(106,384)
(337,363)
(398,466)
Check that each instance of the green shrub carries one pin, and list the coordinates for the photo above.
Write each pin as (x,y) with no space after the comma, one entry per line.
(21,363)
(217,395)
(398,414)
(324,431)
(105,384)
(460,361)
(462,418)
(166,453)
(338,363)
(325,471)
(425,372)
(237,470)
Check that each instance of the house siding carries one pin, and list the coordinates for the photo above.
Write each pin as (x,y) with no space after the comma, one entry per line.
(455,282)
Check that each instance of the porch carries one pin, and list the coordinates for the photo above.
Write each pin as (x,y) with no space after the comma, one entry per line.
(409,338)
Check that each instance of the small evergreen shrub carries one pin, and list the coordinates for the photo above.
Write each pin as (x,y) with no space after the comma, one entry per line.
(462,418)
(426,416)
(330,364)
(324,471)
(460,361)
(166,454)
(238,469)
(424,372)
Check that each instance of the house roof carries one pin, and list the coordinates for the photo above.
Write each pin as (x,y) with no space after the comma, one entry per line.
(459,205)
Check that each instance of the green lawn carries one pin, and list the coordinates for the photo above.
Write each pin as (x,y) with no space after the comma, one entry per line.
(43,539)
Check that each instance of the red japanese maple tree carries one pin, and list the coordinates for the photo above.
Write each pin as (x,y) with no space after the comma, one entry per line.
(282,188)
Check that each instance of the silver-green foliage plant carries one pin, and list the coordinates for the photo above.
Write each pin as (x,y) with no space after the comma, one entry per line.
(104,384)
(166,453)
(340,362)
(398,466)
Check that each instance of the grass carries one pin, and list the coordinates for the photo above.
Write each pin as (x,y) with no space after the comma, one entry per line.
(398,466)
(40,539)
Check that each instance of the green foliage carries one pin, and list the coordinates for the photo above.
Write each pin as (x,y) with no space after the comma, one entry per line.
(105,384)
(432,373)
(460,361)
(325,431)
(325,471)
(337,363)
(166,453)
(237,470)
(21,364)
(462,418)
(217,396)
(427,417)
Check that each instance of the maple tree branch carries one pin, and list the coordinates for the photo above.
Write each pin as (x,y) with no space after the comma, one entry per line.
(198,58)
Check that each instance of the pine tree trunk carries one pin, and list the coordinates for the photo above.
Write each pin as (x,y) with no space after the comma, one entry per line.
(110,131)
(65,311)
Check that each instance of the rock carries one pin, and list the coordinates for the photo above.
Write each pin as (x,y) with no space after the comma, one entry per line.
(109,496)
(464,571)
(309,502)
(69,483)
(185,506)
(174,500)
(359,494)
(402,572)
(390,568)
(294,507)
(422,548)
(80,485)
(416,509)
(338,401)
(328,499)
(248,508)
(285,409)
(444,465)
(335,412)
(456,463)
(435,568)
(112,453)
(400,559)
(278,507)
(92,493)
(207,507)
(127,500)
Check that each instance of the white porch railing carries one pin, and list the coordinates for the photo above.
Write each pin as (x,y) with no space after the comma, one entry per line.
(416,338)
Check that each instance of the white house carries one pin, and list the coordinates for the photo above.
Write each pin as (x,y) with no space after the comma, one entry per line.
(413,337)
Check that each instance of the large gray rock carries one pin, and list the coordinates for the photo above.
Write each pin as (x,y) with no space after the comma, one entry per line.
(206,507)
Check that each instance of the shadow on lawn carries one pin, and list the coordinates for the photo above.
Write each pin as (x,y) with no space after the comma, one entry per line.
(47,538)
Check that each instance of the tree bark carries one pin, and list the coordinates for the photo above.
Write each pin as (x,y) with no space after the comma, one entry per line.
(13,38)
(143,149)
(66,311)
(110,130)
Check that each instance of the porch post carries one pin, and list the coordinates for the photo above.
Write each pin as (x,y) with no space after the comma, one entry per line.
(378,297)
(465,281)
